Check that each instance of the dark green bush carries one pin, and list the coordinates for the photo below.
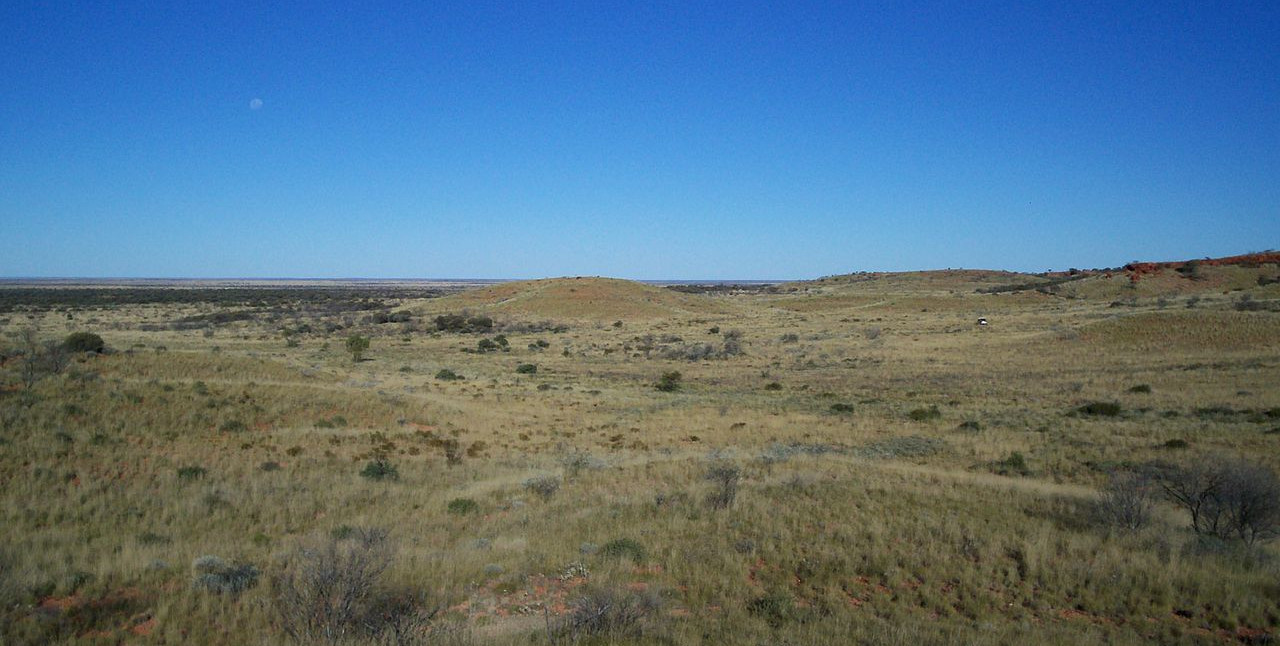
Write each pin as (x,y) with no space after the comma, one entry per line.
(775,609)
(1140,388)
(191,472)
(357,345)
(527,369)
(842,408)
(462,506)
(83,342)
(1100,409)
(379,470)
(446,374)
(1015,464)
(233,426)
(925,414)
(670,381)
(624,548)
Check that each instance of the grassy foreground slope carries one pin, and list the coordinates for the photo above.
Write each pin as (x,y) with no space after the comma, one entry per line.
(844,460)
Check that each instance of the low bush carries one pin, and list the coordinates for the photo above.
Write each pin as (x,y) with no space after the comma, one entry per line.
(357,345)
(906,446)
(1127,501)
(462,506)
(446,374)
(544,486)
(379,470)
(83,342)
(329,592)
(1014,464)
(775,608)
(191,472)
(624,548)
(527,369)
(212,574)
(609,615)
(1100,409)
(724,477)
(925,414)
(233,426)
(669,382)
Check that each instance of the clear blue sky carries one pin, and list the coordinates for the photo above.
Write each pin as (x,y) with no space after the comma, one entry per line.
(667,140)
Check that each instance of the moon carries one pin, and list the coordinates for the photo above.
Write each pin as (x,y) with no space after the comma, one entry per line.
(255,104)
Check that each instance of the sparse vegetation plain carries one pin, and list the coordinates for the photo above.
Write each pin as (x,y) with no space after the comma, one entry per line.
(855,460)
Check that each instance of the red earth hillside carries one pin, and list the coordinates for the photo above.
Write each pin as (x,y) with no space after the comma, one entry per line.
(1136,270)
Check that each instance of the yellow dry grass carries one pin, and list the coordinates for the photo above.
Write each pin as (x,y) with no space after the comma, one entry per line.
(870,420)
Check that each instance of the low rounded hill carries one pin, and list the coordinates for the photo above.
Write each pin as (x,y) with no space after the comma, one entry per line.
(584,298)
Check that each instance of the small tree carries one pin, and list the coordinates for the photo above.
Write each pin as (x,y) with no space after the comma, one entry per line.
(31,360)
(724,475)
(356,345)
(55,356)
(1227,498)
(326,586)
(1127,502)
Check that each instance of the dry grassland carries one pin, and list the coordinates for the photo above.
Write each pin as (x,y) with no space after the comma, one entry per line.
(894,472)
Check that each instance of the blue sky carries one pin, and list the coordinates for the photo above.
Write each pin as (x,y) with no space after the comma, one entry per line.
(638,140)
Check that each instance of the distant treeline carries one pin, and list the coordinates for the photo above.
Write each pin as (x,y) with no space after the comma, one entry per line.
(754,288)
(343,298)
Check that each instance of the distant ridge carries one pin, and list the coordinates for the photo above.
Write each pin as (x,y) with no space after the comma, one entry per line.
(583,298)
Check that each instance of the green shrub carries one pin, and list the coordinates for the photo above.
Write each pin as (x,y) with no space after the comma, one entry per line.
(670,381)
(446,374)
(83,342)
(526,369)
(773,385)
(1015,464)
(357,345)
(841,408)
(380,469)
(213,574)
(1140,388)
(233,426)
(925,414)
(1176,443)
(624,548)
(775,609)
(462,506)
(191,472)
(970,425)
(1100,409)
